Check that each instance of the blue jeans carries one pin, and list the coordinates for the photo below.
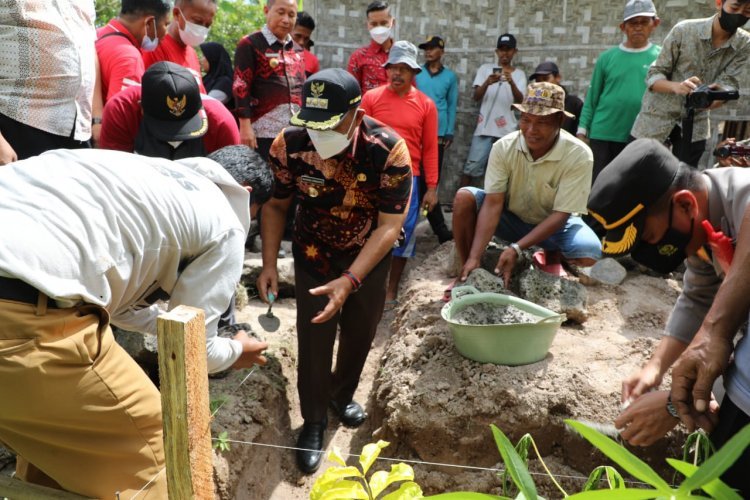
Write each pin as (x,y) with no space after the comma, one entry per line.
(575,240)
(479,154)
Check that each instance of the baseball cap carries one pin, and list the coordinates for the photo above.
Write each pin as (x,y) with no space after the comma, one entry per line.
(506,40)
(326,97)
(171,102)
(405,52)
(638,177)
(543,98)
(432,42)
(545,68)
(635,8)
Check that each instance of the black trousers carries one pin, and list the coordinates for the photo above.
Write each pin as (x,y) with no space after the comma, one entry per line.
(604,152)
(675,142)
(29,141)
(435,216)
(357,320)
(731,421)
(696,148)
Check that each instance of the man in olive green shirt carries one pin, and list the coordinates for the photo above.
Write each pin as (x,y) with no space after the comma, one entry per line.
(696,51)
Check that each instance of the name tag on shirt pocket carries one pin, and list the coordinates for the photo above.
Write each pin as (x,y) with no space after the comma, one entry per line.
(312,180)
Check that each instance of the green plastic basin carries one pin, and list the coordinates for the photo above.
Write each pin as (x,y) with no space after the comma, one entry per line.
(503,344)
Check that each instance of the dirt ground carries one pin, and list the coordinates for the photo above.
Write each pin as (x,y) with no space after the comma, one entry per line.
(432,404)
(435,406)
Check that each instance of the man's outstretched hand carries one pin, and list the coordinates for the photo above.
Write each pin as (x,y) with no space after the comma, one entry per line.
(693,376)
(337,291)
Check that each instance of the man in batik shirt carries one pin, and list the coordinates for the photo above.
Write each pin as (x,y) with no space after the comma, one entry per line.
(351,177)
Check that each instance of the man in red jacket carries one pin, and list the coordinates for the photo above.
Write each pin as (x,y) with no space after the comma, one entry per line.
(140,25)
(414,116)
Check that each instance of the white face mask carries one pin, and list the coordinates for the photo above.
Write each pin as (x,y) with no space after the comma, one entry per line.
(380,34)
(329,143)
(193,34)
(150,44)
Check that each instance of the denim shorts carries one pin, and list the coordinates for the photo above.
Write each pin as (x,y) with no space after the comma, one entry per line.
(575,240)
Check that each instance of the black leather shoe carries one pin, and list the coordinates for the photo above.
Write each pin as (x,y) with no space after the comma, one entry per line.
(311,438)
(351,415)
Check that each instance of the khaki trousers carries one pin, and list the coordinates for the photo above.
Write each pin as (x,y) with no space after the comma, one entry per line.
(79,412)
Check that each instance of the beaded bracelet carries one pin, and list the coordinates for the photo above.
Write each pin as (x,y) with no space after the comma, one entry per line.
(356,282)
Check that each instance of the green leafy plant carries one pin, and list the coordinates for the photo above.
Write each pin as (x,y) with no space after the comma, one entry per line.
(347,482)
(336,482)
(216,403)
(705,477)
(221,442)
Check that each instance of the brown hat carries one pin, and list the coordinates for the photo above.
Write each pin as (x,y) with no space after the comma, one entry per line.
(543,98)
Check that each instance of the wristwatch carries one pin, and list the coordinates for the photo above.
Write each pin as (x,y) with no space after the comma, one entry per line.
(670,407)
(516,247)
(97,120)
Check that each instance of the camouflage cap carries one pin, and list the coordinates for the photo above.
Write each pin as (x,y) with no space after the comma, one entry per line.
(543,98)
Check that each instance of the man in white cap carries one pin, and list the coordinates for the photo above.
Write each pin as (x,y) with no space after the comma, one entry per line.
(414,116)
(617,85)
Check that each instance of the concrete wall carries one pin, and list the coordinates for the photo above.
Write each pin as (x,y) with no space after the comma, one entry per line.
(571,33)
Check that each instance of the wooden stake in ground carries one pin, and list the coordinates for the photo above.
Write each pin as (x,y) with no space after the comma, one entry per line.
(183,375)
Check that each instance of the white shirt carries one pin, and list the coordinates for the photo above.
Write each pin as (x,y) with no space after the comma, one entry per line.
(496,116)
(117,230)
(47,68)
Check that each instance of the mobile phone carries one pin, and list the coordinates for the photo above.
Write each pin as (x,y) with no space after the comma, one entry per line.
(497,71)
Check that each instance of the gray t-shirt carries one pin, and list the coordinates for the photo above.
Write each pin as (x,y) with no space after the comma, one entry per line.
(728,199)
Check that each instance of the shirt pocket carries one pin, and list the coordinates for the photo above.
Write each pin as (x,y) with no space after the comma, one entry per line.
(547,196)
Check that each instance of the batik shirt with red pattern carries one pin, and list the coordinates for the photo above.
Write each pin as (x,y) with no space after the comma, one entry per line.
(366,64)
(339,198)
(268,78)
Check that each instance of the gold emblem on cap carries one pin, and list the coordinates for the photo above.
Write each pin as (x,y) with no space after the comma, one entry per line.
(361,177)
(667,250)
(313,192)
(317,88)
(315,101)
(177,105)
(622,246)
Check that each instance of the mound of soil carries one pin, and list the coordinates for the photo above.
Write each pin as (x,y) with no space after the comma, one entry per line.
(438,405)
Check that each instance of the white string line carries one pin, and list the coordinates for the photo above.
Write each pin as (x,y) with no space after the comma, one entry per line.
(420,462)
(117,494)
(146,485)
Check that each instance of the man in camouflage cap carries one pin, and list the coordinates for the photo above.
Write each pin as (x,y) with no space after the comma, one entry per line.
(537,183)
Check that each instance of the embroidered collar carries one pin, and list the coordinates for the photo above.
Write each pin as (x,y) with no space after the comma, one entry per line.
(271,38)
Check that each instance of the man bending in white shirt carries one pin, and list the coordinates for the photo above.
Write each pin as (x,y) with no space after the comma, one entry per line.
(95,237)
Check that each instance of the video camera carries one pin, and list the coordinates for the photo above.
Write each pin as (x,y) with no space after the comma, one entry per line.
(703,96)
(732,150)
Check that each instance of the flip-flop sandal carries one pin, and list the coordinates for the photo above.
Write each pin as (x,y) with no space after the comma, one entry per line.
(390,305)
(447,292)
(556,269)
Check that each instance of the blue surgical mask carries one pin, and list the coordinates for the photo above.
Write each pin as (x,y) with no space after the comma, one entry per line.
(150,44)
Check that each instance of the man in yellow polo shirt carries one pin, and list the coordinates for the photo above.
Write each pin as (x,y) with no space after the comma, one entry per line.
(537,182)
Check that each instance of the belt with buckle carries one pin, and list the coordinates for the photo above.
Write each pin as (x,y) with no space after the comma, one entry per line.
(20,291)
